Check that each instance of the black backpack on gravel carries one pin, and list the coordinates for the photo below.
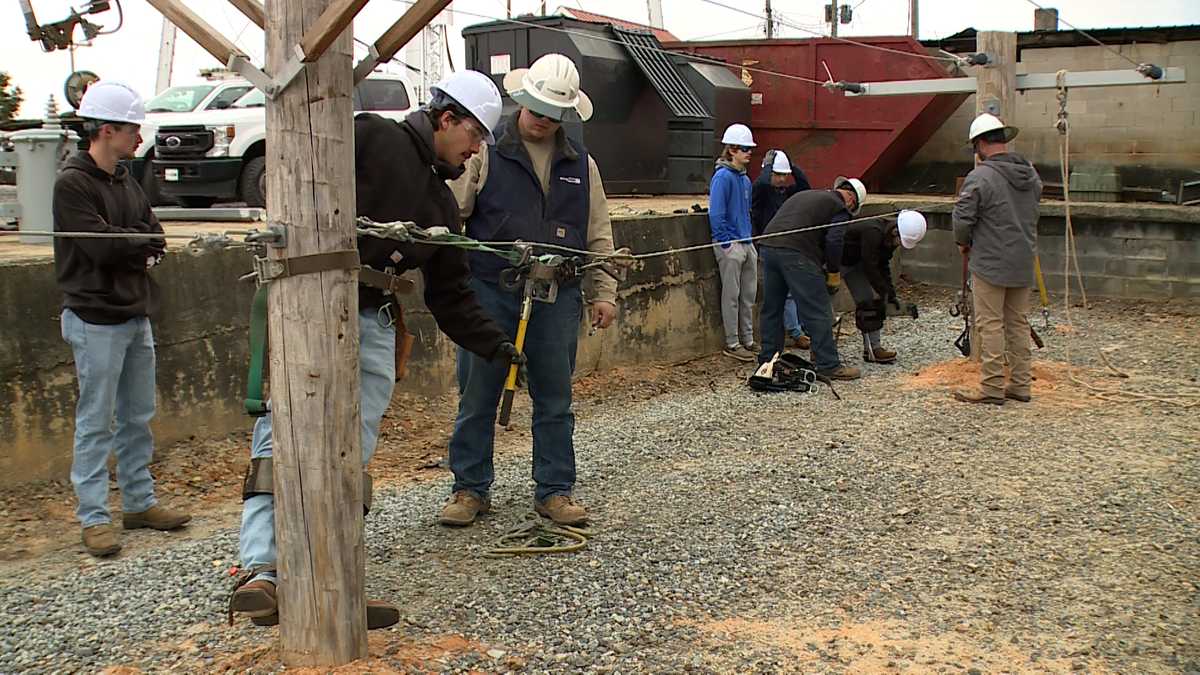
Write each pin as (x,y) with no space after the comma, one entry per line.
(785,372)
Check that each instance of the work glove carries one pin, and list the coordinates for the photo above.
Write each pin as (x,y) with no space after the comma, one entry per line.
(833,281)
(506,354)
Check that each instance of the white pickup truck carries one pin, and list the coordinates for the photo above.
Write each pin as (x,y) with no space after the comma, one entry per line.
(212,156)
(165,108)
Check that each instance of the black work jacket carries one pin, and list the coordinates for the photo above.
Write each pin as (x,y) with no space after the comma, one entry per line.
(399,177)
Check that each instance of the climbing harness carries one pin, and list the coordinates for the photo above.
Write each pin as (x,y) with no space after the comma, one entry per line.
(533,536)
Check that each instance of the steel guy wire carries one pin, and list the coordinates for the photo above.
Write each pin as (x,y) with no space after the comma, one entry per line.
(839,38)
(1088,36)
(593,36)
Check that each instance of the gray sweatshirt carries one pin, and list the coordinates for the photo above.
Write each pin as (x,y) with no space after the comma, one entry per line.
(996,214)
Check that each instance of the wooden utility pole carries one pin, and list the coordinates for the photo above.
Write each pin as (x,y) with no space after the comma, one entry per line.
(914,12)
(833,17)
(314,349)
(166,56)
(770,21)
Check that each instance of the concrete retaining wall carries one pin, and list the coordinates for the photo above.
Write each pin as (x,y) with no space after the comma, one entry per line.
(1125,250)
(668,312)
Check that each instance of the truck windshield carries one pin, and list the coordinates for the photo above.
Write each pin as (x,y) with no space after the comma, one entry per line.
(253,99)
(179,99)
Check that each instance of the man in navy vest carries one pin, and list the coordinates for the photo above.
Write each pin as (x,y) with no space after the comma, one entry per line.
(536,185)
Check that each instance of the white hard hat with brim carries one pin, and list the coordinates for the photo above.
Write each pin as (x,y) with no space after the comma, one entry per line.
(560,101)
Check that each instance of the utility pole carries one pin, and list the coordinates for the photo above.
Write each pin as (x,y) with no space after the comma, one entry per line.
(914,12)
(166,56)
(770,22)
(509,14)
(654,8)
(831,17)
(313,323)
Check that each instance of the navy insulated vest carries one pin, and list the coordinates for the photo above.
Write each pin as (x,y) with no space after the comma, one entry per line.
(512,206)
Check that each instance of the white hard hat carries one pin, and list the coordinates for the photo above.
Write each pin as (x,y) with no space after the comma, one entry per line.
(112,102)
(912,227)
(738,134)
(478,94)
(550,87)
(989,122)
(781,164)
(856,185)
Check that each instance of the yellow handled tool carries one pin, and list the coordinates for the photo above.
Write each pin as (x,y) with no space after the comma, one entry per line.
(510,384)
(1041,284)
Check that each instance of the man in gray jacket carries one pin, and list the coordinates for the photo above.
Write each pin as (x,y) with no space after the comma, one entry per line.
(995,222)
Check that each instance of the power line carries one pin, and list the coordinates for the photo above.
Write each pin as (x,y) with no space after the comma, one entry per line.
(835,37)
(593,36)
(1086,35)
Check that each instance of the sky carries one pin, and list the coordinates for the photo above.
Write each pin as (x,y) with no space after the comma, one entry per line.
(131,54)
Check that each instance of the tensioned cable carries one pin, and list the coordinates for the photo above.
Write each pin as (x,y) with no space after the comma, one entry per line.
(593,36)
(1086,35)
(839,38)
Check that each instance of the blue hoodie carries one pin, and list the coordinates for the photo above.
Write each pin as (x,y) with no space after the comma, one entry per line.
(729,204)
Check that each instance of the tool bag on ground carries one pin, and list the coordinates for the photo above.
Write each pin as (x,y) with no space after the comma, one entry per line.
(784,372)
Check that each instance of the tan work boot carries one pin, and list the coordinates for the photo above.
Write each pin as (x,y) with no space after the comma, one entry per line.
(257,600)
(802,342)
(156,518)
(976,396)
(562,509)
(462,509)
(842,373)
(1014,396)
(101,540)
(879,355)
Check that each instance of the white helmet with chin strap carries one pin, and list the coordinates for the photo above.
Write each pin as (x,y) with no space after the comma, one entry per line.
(109,101)
(478,94)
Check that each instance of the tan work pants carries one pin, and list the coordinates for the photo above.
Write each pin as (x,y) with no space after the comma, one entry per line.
(1003,336)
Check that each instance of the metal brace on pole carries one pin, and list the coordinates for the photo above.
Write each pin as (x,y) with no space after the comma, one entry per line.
(365,67)
(270,87)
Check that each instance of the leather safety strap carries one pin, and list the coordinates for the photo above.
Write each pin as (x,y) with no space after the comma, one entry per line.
(388,283)
(256,402)
(404,342)
(368,493)
(260,478)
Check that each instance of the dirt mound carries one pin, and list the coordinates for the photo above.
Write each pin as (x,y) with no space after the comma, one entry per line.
(1051,384)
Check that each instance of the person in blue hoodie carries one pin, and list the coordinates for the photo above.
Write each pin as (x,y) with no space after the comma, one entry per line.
(737,261)
(778,180)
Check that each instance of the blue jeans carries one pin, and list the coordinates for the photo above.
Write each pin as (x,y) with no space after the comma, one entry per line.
(115,366)
(787,271)
(377,378)
(791,322)
(550,342)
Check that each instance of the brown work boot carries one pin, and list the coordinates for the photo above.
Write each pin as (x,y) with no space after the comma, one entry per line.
(265,608)
(879,355)
(1014,396)
(156,518)
(802,342)
(842,373)
(101,540)
(562,509)
(256,599)
(976,396)
(463,507)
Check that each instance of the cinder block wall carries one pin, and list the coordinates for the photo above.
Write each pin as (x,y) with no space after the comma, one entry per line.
(1147,132)
(1125,250)
(668,312)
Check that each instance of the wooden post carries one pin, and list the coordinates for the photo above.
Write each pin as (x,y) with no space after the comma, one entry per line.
(914,15)
(995,93)
(399,33)
(314,351)
(329,26)
(196,28)
(253,10)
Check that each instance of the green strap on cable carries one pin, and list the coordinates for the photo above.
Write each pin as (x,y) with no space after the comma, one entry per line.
(256,405)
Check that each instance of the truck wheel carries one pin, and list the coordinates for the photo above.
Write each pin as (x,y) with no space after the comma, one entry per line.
(254,182)
(194,202)
(151,187)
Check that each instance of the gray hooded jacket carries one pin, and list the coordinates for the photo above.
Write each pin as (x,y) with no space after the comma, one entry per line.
(996,214)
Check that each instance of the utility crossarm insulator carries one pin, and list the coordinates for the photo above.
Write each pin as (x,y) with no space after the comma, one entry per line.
(967,85)
(1151,71)
(977,59)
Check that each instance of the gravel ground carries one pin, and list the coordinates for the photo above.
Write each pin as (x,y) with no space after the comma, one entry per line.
(894,530)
